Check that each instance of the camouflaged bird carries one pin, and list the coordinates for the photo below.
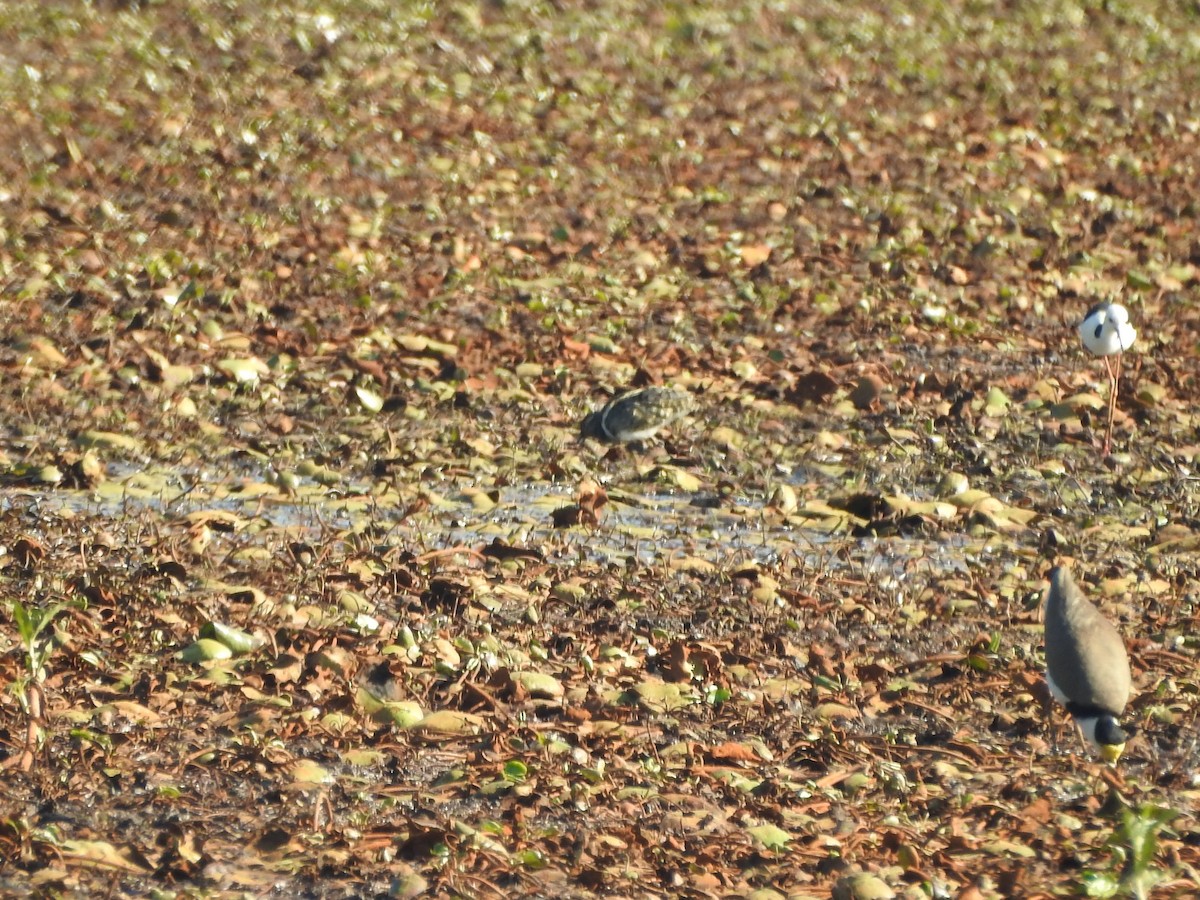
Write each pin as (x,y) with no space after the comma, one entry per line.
(637,415)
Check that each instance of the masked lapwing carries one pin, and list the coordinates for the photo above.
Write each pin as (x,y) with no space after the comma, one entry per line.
(1106,332)
(1087,668)
(637,415)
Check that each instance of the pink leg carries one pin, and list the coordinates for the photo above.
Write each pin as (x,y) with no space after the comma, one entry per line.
(1114,381)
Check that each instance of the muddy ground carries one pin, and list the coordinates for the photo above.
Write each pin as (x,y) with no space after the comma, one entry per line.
(311,588)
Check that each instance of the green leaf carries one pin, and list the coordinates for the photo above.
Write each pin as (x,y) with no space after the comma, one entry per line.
(235,639)
(25,627)
(997,402)
(531,859)
(516,771)
(205,650)
(1099,884)
(770,836)
(371,400)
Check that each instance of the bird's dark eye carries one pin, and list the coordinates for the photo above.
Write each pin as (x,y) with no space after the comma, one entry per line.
(1099,330)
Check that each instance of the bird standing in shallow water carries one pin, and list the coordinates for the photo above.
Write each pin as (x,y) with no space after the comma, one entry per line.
(637,415)
(1106,331)
(1087,667)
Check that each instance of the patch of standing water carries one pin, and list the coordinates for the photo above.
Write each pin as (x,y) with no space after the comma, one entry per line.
(649,528)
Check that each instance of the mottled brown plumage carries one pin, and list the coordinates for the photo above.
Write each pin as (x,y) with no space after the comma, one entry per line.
(637,415)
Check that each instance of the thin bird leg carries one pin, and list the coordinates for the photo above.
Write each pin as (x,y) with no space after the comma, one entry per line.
(1117,379)
(1113,380)
(1050,713)
(1116,388)
(1056,733)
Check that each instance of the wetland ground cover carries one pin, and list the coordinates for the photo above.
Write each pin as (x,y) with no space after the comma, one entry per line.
(310,588)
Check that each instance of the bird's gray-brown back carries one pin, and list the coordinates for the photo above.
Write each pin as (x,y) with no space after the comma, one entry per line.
(637,415)
(1085,654)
